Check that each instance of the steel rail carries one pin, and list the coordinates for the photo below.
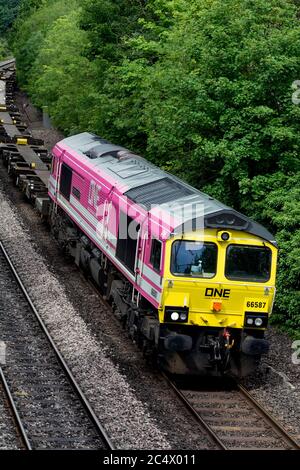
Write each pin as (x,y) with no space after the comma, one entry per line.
(15,413)
(194,412)
(101,431)
(275,425)
(266,416)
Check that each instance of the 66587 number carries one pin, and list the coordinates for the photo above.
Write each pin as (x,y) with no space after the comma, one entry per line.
(256,304)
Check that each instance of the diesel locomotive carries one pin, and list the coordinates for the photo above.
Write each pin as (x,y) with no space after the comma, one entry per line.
(192,280)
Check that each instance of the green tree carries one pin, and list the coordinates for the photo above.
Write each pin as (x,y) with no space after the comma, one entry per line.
(108,23)
(126,40)
(31,29)
(223,88)
(3,50)
(8,12)
(62,78)
(277,202)
(210,99)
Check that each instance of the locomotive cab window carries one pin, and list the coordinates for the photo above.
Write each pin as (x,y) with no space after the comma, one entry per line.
(155,256)
(248,263)
(65,181)
(53,165)
(194,258)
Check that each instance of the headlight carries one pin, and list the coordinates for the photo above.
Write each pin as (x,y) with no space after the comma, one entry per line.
(183,316)
(176,314)
(256,320)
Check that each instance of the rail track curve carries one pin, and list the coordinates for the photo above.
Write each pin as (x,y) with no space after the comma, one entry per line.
(36,415)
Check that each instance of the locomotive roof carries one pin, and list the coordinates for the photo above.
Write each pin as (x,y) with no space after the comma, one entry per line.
(147,185)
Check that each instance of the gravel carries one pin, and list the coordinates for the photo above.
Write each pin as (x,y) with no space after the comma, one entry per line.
(276,384)
(51,412)
(124,417)
(8,436)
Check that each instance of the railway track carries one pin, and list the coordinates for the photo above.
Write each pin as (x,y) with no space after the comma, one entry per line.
(49,408)
(14,414)
(231,416)
(7,64)
(233,419)
(10,432)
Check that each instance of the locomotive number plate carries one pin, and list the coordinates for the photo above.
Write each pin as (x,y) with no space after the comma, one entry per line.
(256,305)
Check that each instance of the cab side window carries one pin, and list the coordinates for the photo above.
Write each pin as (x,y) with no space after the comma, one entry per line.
(53,165)
(155,256)
(66,181)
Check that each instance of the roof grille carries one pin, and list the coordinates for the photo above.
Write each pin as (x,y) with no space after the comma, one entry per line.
(158,192)
(103,149)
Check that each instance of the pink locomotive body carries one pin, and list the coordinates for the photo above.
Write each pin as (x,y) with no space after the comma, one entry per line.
(192,279)
(92,194)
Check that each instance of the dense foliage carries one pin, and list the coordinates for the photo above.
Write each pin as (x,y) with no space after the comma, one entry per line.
(3,50)
(8,13)
(201,87)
